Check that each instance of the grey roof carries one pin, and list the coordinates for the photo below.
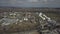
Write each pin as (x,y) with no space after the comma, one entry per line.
(31,3)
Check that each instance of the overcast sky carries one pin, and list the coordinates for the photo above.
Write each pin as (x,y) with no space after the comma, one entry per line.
(30,3)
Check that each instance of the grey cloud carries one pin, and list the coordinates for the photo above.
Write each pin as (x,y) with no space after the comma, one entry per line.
(30,3)
(33,0)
